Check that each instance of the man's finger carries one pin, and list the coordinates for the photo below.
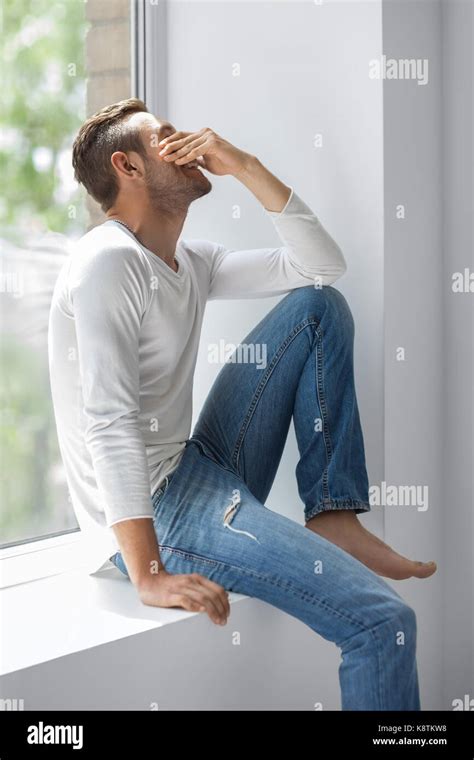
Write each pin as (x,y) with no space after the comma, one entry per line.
(185,149)
(173,142)
(192,605)
(174,136)
(194,154)
(217,592)
(216,614)
(186,602)
(214,587)
(210,596)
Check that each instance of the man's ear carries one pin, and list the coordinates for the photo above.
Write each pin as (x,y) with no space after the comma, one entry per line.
(124,164)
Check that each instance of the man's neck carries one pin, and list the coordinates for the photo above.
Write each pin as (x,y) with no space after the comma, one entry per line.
(155,229)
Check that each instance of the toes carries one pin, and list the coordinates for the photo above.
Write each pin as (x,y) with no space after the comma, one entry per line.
(400,568)
(424,569)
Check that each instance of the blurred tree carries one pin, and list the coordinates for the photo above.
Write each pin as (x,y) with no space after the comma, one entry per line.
(31,505)
(42,50)
(43,104)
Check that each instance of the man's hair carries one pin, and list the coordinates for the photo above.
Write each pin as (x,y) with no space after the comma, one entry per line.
(99,137)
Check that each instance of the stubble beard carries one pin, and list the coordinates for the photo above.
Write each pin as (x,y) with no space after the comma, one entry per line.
(175,192)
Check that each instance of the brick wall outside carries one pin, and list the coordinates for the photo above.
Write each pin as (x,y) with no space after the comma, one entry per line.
(108,56)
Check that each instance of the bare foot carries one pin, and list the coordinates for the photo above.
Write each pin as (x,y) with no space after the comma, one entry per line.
(343,528)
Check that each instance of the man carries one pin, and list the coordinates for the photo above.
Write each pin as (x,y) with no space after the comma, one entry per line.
(183,516)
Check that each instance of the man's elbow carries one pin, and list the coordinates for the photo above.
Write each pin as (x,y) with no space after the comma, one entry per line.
(338,270)
(108,427)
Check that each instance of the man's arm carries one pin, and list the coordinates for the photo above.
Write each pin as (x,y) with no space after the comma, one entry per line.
(221,157)
(109,293)
(308,256)
(272,193)
(158,588)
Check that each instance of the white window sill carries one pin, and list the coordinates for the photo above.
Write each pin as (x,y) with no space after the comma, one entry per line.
(67,613)
(40,559)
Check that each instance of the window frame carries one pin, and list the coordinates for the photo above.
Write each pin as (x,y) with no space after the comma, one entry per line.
(57,553)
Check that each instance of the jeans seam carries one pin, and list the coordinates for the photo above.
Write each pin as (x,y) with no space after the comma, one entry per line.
(261,386)
(160,492)
(380,669)
(332,504)
(303,595)
(188,555)
(323,408)
(378,644)
(211,458)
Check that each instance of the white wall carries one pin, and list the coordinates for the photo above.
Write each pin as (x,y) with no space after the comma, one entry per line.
(190,664)
(428,397)
(303,70)
(414,315)
(458,352)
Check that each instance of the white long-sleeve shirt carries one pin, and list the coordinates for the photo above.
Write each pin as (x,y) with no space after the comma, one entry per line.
(124,333)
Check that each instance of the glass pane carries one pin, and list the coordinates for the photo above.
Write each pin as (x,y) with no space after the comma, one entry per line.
(44,103)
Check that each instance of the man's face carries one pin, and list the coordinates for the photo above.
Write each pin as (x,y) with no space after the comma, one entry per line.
(170,187)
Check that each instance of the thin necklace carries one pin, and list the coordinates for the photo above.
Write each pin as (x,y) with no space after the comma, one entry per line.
(125,225)
(175,260)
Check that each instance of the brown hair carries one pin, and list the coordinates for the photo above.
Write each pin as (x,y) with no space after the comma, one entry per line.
(98,138)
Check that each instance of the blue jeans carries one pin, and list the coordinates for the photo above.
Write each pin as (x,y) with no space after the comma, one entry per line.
(210,513)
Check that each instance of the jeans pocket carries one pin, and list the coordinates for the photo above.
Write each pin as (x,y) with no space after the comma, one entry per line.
(160,491)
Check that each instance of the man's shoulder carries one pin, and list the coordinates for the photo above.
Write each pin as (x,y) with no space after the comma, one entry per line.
(205,250)
(106,249)
(103,239)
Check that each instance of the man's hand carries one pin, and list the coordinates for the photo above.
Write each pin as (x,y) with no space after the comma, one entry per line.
(158,588)
(193,592)
(210,151)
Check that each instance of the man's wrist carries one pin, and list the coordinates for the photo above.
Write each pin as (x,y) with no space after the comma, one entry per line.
(272,193)
(250,166)
(146,582)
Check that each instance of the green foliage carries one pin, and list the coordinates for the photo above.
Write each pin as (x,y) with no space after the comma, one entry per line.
(42,51)
(32,503)
(43,104)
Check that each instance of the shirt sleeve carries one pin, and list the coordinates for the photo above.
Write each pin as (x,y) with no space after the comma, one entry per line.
(308,256)
(109,294)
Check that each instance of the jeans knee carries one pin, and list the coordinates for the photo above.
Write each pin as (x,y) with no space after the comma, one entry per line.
(311,297)
(408,617)
(326,306)
(339,309)
(402,625)
(390,624)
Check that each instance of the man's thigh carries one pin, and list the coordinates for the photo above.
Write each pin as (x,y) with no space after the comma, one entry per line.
(209,522)
(245,420)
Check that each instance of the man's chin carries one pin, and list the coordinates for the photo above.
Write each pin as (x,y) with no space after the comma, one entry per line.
(201,184)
